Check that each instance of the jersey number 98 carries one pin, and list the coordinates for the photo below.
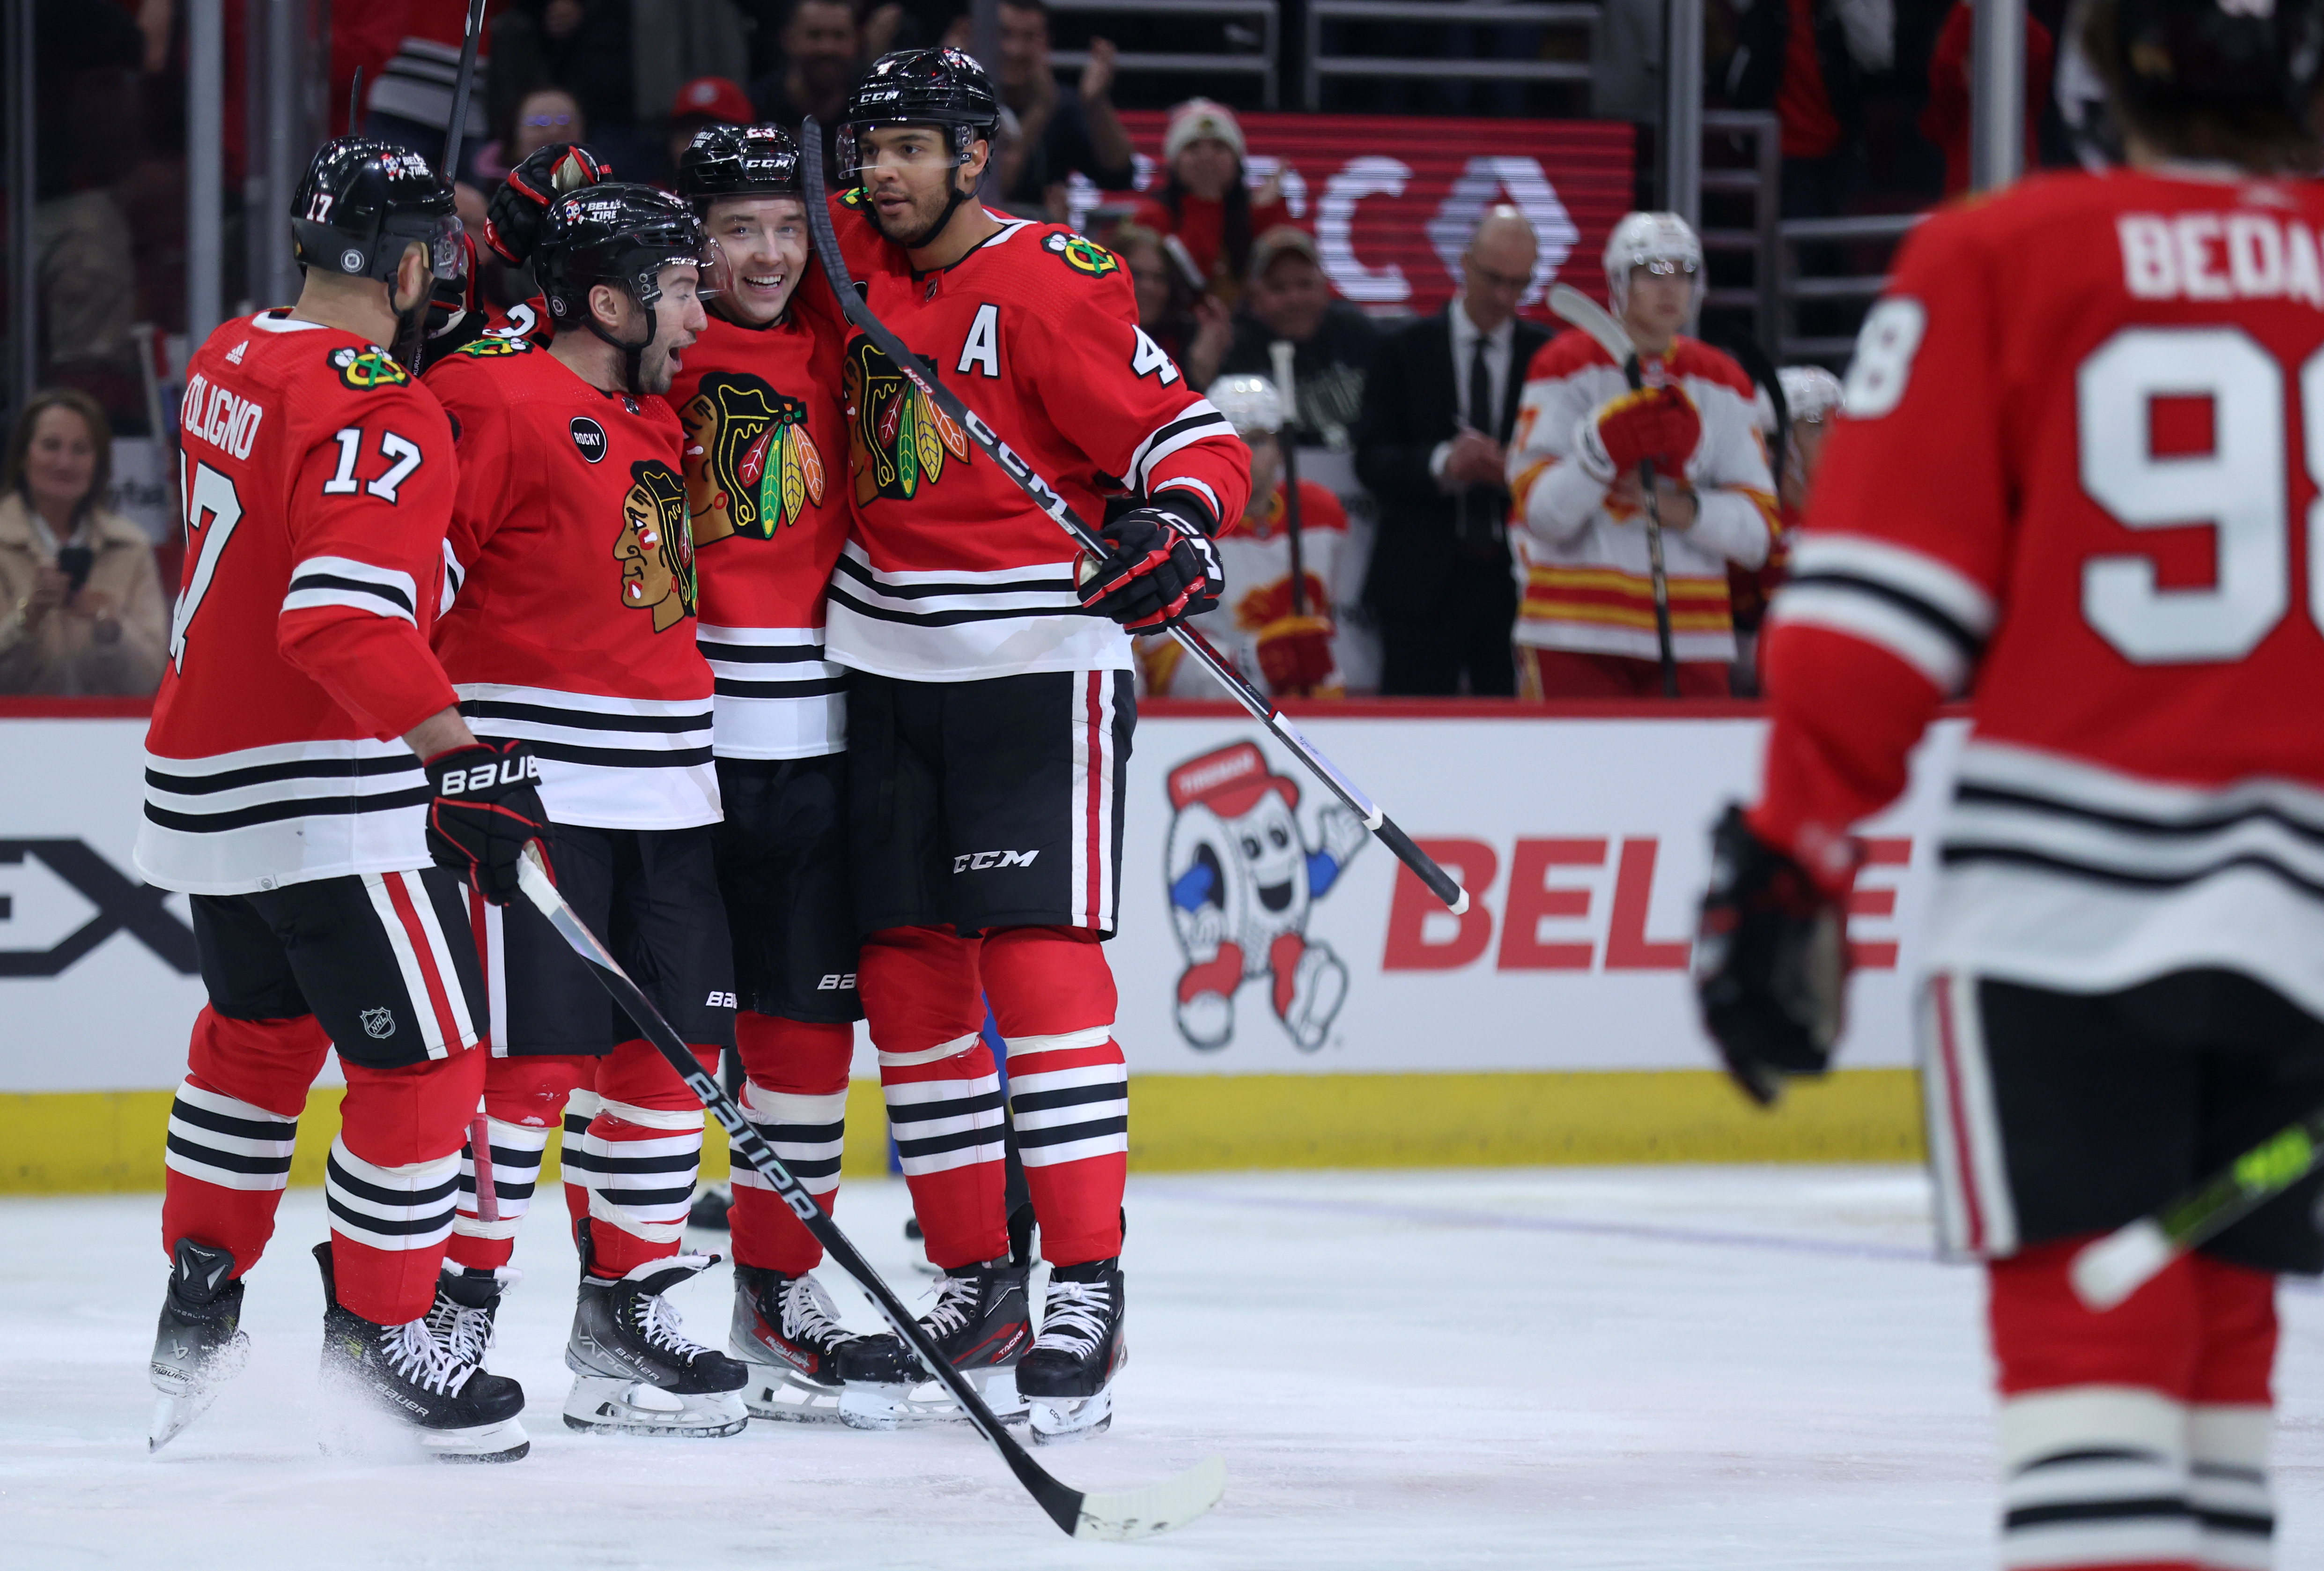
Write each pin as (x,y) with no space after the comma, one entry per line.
(2237,488)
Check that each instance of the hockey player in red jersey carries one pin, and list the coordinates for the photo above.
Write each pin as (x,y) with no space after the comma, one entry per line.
(2072,478)
(767,497)
(572,626)
(319,478)
(989,720)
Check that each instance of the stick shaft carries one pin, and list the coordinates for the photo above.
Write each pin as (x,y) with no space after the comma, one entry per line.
(480,1156)
(457,132)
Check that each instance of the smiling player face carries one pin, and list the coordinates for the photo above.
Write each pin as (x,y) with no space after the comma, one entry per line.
(764,242)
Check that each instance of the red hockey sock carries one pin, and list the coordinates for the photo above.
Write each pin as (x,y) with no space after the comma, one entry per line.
(2232,1422)
(921,990)
(232,1130)
(642,1151)
(392,1180)
(523,1098)
(2094,1417)
(1053,997)
(796,1096)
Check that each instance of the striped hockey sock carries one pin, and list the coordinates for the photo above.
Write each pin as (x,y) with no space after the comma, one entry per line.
(638,1157)
(795,1097)
(233,1127)
(391,1180)
(523,1096)
(1053,997)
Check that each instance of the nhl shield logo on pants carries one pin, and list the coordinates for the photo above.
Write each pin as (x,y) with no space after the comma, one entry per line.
(379,1023)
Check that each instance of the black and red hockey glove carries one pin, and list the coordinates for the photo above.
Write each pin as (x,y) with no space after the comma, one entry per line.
(1770,962)
(1158,569)
(512,218)
(487,810)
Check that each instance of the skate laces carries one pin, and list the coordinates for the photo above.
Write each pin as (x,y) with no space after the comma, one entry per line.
(413,1353)
(654,1318)
(808,1313)
(1074,1318)
(464,1332)
(957,1299)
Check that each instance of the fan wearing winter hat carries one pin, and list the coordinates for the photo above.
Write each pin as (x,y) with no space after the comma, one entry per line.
(1206,202)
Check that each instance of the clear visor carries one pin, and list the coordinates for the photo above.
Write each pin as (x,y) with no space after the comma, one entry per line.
(448,259)
(868,145)
(695,279)
(715,274)
(1667,266)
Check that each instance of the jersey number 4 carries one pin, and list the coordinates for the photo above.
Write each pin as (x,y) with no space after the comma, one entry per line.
(2238,487)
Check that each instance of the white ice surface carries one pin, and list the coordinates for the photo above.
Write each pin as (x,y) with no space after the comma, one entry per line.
(1757,1369)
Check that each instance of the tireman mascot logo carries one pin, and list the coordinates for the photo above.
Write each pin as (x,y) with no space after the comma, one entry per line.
(750,465)
(1243,880)
(655,549)
(897,439)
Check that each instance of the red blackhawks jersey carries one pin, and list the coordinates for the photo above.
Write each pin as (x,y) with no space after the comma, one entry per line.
(318,479)
(2075,476)
(952,574)
(572,588)
(765,486)
(1255,555)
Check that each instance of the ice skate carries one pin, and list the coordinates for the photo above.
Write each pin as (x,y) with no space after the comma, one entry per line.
(787,1335)
(1067,1378)
(634,1373)
(1319,983)
(978,1322)
(199,1344)
(457,1412)
(467,1300)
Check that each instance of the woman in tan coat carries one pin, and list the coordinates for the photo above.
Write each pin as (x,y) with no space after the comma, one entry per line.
(81,610)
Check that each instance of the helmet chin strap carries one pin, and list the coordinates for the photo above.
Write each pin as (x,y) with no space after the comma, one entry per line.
(953,200)
(632,354)
(410,326)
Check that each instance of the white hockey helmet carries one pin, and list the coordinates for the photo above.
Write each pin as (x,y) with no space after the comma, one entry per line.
(1664,241)
(1811,392)
(1250,403)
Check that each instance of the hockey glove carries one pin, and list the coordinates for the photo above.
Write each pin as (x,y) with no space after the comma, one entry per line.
(1158,569)
(1658,423)
(1770,962)
(1295,652)
(512,218)
(487,808)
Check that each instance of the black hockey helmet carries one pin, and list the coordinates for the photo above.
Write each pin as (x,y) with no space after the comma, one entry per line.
(738,160)
(614,232)
(920,87)
(362,202)
(2251,67)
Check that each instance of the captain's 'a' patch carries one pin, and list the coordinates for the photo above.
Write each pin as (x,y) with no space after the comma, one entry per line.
(1083,256)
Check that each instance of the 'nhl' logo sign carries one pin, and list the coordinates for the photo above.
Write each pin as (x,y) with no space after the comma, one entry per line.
(379,1023)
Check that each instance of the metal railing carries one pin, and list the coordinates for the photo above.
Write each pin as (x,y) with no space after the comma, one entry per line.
(1130,62)
(1553,13)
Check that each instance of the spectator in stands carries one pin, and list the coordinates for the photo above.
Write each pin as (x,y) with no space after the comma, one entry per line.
(539,119)
(1811,397)
(1207,202)
(80,600)
(1586,622)
(1432,447)
(824,50)
(1289,298)
(1193,328)
(1945,120)
(622,61)
(704,102)
(1809,62)
(1059,130)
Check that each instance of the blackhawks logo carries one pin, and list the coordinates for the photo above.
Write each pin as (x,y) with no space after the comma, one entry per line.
(654,549)
(750,467)
(492,343)
(855,197)
(1086,256)
(897,439)
(363,369)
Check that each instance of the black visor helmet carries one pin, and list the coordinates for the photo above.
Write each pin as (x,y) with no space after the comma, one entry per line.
(362,202)
(620,234)
(945,87)
(738,160)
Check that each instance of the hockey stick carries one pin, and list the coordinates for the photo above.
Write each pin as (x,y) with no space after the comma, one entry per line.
(457,131)
(1282,352)
(1594,319)
(1134,1513)
(2109,1271)
(1441,883)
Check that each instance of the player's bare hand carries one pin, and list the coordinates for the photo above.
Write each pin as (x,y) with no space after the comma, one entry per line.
(1476,459)
(1097,77)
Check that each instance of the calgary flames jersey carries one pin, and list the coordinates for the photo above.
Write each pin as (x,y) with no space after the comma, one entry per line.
(952,574)
(570,577)
(1585,579)
(2074,474)
(317,480)
(764,485)
(1255,554)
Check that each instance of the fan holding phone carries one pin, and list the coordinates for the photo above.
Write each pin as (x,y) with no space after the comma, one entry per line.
(80,600)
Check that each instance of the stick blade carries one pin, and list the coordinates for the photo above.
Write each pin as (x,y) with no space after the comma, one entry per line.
(1140,1513)
(1571,305)
(2109,1271)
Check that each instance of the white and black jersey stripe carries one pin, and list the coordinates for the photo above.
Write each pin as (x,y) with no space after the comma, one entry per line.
(236,823)
(775,695)
(320,581)
(1198,421)
(612,763)
(961,625)
(1926,613)
(2063,873)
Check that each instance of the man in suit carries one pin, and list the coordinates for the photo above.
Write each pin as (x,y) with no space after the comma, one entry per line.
(1431,445)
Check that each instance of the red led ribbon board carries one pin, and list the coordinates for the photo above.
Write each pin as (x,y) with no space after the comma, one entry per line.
(1390,200)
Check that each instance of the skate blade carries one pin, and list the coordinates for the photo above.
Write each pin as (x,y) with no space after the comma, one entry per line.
(608,1405)
(505,1441)
(1140,1513)
(172,1414)
(777,1393)
(913,1407)
(1057,1419)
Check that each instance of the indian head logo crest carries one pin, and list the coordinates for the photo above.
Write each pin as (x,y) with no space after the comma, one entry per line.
(751,466)
(655,548)
(898,439)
